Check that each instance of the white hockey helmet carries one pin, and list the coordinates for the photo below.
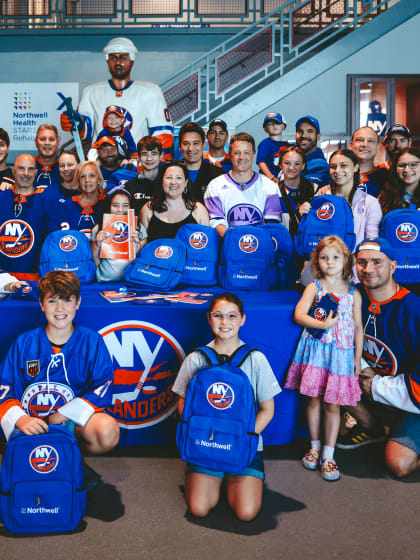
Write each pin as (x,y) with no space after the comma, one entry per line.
(120,45)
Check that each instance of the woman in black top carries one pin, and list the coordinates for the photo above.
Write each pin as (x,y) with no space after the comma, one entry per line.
(171,205)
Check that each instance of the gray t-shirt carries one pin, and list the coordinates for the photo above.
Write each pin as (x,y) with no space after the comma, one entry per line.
(256,367)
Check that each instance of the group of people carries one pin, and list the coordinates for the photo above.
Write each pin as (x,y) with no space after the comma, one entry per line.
(218,189)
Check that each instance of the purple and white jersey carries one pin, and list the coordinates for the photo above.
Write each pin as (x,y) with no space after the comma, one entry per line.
(242,204)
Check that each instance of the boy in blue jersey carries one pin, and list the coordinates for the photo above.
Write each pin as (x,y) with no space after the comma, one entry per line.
(60,373)
(268,153)
(390,378)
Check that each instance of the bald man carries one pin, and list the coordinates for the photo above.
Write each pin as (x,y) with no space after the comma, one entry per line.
(365,143)
(24,221)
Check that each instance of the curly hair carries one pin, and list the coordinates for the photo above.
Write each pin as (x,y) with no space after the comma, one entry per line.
(158,200)
(338,243)
(392,192)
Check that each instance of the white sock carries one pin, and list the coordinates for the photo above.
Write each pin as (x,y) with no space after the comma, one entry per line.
(316,444)
(327,452)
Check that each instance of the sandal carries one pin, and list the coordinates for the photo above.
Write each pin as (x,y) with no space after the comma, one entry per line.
(311,460)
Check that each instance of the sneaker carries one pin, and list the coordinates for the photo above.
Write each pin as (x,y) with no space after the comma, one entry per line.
(357,437)
(329,470)
(311,460)
(92,478)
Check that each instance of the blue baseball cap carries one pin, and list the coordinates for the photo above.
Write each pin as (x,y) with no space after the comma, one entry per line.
(372,244)
(311,120)
(278,117)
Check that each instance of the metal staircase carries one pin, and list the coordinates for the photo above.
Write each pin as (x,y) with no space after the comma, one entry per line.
(259,55)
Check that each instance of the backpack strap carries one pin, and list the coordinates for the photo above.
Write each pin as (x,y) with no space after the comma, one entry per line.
(294,222)
(236,359)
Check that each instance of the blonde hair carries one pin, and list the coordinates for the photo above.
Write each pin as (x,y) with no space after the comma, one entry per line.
(332,241)
(95,166)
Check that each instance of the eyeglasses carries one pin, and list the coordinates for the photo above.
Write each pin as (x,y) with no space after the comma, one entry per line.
(410,164)
(228,316)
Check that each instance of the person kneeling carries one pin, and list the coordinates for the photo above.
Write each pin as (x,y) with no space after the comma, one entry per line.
(60,373)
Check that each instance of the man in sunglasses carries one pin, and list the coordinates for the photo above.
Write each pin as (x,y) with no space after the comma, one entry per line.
(24,219)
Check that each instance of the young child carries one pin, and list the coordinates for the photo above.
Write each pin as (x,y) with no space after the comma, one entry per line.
(202,486)
(326,369)
(113,125)
(269,148)
(118,202)
(60,373)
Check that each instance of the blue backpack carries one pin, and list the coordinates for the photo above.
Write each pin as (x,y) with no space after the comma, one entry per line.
(159,265)
(217,428)
(329,215)
(247,259)
(41,483)
(203,245)
(283,254)
(68,250)
(402,228)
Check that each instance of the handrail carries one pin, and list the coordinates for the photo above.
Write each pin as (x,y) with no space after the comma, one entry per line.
(286,37)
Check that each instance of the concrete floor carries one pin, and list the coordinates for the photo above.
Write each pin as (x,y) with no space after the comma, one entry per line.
(138,512)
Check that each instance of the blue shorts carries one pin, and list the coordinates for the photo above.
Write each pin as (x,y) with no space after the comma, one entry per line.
(407,432)
(255,469)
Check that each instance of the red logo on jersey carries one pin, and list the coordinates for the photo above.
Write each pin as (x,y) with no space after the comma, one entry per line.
(68,243)
(16,238)
(146,361)
(32,367)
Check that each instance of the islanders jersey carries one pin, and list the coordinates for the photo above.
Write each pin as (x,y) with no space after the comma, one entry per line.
(125,144)
(46,174)
(145,108)
(24,223)
(269,152)
(73,215)
(391,347)
(373,181)
(224,163)
(77,381)
(242,204)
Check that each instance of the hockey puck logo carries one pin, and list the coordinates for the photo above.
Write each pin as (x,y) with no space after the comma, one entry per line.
(248,243)
(326,211)
(220,395)
(68,243)
(44,459)
(146,359)
(41,399)
(163,252)
(119,232)
(198,240)
(320,314)
(16,238)
(406,233)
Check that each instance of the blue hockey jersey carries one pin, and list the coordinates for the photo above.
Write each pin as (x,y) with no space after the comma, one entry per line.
(35,381)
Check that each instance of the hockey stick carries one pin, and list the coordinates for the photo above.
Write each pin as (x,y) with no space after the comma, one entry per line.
(67,101)
(132,395)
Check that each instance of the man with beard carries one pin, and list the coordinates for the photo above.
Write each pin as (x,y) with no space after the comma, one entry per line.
(143,102)
(397,138)
(308,135)
(108,157)
(46,142)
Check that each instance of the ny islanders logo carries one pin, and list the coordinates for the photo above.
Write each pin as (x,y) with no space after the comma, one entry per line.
(379,356)
(16,238)
(163,252)
(41,399)
(248,243)
(320,314)
(220,395)
(44,459)
(146,360)
(68,243)
(326,211)
(406,233)
(198,240)
(119,231)
(244,215)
